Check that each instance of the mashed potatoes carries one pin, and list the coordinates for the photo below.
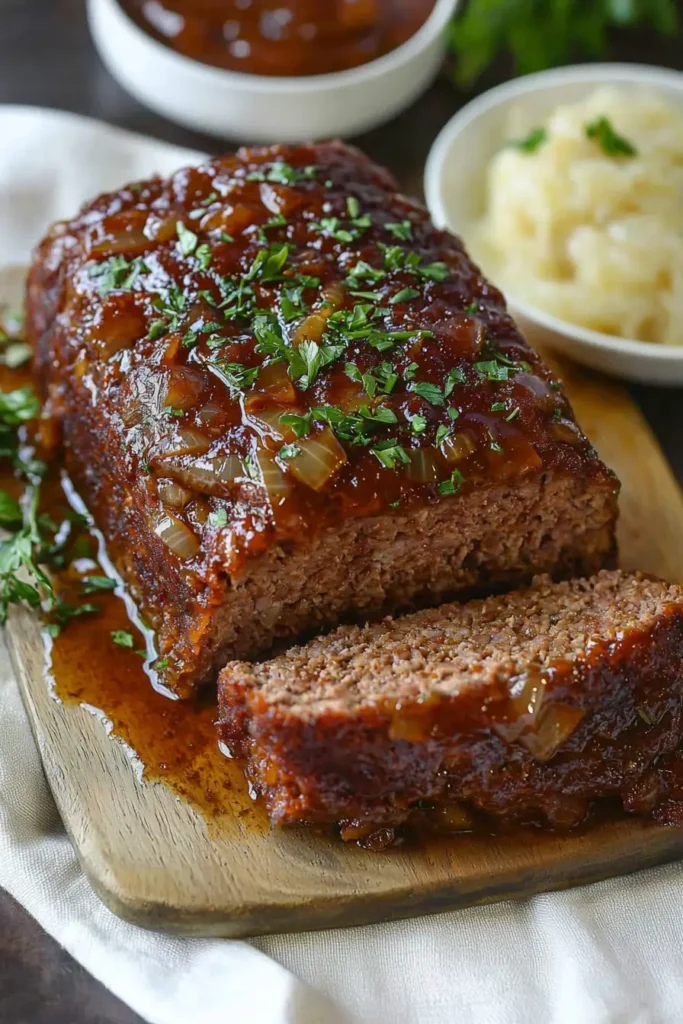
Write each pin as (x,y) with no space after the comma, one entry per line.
(584,215)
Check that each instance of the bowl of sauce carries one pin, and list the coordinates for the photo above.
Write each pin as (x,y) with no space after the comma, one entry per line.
(273,70)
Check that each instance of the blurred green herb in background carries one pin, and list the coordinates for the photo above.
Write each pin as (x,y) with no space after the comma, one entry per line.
(539,34)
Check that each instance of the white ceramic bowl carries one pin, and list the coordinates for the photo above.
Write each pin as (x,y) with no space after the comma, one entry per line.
(257,108)
(454,181)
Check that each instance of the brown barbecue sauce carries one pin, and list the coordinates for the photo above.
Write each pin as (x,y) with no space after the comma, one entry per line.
(286,38)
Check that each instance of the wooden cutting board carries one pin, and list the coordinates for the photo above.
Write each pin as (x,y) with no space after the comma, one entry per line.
(156,861)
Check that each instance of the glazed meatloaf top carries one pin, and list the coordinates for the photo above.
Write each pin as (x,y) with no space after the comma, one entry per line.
(283,342)
(477,649)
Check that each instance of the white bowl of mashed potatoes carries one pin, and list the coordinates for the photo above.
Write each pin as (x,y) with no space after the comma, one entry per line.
(567,187)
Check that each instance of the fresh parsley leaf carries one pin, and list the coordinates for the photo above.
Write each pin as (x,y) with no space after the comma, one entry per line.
(390,454)
(492,370)
(442,432)
(97,584)
(430,392)
(402,232)
(236,375)
(122,638)
(434,271)
(187,240)
(610,142)
(455,376)
(281,173)
(117,273)
(16,354)
(10,510)
(531,142)
(452,485)
(289,451)
(405,295)
(418,424)
(204,255)
(219,517)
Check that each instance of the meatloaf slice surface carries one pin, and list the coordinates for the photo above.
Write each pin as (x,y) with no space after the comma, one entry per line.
(289,401)
(526,706)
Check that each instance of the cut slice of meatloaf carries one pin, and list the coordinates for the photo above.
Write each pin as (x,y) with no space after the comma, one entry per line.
(527,706)
(289,401)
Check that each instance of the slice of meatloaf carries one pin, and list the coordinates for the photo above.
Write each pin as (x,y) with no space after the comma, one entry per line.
(288,400)
(526,706)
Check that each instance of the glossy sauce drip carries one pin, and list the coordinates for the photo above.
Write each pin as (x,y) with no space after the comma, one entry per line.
(174,742)
(292,37)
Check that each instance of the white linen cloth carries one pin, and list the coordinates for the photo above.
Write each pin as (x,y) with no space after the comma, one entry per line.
(610,953)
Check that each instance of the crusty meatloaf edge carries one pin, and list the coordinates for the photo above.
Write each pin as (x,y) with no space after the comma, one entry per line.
(618,708)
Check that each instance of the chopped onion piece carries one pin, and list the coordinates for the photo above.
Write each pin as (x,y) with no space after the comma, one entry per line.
(313,326)
(426,466)
(269,422)
(458,447)
(566,431)
(556,725)
(173,494)
(272,477)
(186,441)
(214,475)
(318,459)
(273,385)
(184,387)
(177,536)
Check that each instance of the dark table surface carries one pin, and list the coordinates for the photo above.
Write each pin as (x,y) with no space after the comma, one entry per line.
(46,59)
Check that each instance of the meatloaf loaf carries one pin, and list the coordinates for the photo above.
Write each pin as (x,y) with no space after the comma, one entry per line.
(288,400)
(526,706)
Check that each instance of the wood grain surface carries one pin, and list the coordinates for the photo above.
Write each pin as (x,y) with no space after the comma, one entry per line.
(154,860)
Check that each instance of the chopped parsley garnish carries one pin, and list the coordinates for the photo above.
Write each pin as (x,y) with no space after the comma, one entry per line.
(187,240)
(390,453)
(97,584)
(117,273)
(225,237)
(492,370)
(531,142)
(493,444)
(281,173)
(453,413)
(204,255)
(364,272)
(235,374)
(452,485)
(122,638)
(289,451)
(442,432)
(434,271)
(513,415)
(219,517)
(405,295)
(13,354)
(610,142)
(418,424)
(454,376)
(498,407)
(157,329)
(382,378)
(402,232)
(473,307)
(430,392)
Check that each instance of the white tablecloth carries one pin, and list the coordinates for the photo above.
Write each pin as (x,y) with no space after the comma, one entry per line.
(610,953)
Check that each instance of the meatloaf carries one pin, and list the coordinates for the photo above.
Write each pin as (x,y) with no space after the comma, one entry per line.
(527,707)
(289,401)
